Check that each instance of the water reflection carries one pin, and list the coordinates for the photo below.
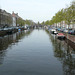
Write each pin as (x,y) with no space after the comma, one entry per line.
(9,40)
(65,54)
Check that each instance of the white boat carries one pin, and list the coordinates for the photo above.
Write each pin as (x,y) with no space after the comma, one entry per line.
(55,32)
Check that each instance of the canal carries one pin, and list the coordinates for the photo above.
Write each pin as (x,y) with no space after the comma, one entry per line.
(35,52)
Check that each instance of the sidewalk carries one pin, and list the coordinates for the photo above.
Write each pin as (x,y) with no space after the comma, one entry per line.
(70,37)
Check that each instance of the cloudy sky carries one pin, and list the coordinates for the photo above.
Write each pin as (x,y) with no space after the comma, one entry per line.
(36,10)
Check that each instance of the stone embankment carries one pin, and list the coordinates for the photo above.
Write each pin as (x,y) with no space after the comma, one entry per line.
(70,37)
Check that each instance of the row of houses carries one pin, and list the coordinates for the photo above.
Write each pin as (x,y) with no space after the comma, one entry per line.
(7,19)
(63,24)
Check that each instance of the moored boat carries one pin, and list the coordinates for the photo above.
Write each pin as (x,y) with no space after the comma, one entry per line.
(60,36)
(52,31)
(55,32)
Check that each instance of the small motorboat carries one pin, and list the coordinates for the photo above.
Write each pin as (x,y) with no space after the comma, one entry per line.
(55,32)
(60,36)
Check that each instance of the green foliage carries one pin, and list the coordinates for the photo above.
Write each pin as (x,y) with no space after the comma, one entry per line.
(67,15)
(20,21)
(29,22)
(47,22)
(43,23)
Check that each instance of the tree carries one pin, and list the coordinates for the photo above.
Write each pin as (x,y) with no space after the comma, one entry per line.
(43,23)
(47,22)
(20,21)
(67,15)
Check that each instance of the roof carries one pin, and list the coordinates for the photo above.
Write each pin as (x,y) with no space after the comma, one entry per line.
(13,14)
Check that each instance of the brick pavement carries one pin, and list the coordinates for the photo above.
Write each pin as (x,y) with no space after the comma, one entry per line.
(70,37)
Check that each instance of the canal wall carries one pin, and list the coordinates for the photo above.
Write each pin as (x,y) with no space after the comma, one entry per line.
(10,31)
(71,40)
(70,37)
(70,43)
(5,32)
(2,33)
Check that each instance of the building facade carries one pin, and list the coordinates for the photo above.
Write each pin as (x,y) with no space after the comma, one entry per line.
(5,19)
(14,19)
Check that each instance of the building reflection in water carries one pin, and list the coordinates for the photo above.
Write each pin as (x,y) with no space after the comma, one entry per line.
(64,53)
(9,40)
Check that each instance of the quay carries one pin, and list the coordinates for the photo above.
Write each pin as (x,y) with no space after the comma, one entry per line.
(70,39)
(11,30)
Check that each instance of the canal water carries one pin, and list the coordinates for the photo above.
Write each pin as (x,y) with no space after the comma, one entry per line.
(35,52)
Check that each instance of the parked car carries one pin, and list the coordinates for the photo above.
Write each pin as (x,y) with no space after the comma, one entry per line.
(62,30)
(72,32)
(65,30)
(59,29)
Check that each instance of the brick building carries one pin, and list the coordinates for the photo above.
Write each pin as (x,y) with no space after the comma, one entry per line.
(15,17)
